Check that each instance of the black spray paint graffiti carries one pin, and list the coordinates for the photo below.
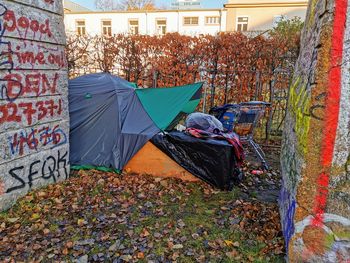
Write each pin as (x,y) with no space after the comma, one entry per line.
(47,169)
(314,108)
(289,162)
(7,44)
(6,62)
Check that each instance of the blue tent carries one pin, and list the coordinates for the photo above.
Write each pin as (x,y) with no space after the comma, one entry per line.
(111,121)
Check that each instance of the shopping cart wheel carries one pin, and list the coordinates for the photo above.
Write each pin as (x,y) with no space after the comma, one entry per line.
(265,166)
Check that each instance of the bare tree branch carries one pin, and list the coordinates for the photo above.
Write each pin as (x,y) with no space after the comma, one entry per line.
(106,5)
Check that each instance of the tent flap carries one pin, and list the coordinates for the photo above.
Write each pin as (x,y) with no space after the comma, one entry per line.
(164,105)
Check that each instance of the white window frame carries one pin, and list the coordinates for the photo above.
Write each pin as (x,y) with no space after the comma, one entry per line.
(159,28)
(240,23)
(109,27)
(217,18)
(132,28)
(80,30)
(191,24)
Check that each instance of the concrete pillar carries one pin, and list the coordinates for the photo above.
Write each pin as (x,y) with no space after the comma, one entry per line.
(34,119)
(315,199)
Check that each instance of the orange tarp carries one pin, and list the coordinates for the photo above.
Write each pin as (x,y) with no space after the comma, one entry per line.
(150,160)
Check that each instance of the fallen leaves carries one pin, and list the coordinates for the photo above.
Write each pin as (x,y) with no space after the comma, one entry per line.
(69,244)
(99,216)
(140,255)
(145,233)
(35,216)
(12,220)
(178,246)
(230,243)
(81,222)
(232,254)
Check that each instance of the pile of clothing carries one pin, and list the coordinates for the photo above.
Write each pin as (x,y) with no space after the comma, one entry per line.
(204,126)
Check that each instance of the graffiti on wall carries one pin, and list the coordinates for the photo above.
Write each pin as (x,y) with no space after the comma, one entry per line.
(332,108)
(52,168)
(287,200)
(33,96)
(35,84)
(322,234)
(27,112)
(36,138)
(299,105)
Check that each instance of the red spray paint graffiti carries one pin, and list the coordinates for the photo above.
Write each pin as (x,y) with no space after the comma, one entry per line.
(332,109)
(27,112)
(37,84)
(13,23)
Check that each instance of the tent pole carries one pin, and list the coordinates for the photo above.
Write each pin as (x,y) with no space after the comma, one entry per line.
(205,89)
(205,97)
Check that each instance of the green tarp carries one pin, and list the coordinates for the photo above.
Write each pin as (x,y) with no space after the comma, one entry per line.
(164,105)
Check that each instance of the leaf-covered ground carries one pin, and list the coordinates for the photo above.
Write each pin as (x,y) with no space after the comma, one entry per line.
(97,216)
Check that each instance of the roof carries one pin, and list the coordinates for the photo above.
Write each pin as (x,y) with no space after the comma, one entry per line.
(72,7)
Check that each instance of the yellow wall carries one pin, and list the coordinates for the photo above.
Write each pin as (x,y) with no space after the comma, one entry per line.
(261,17)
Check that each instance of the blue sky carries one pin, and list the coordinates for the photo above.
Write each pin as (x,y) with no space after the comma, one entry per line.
(206,3)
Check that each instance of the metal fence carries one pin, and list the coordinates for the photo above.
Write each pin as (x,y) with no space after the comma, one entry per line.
(248,86)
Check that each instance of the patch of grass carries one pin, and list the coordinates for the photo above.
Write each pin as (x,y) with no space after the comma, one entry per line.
(96,190)
(160,249)
(127,195)
(225,196)
(95,250)
(53,227)
(254,194)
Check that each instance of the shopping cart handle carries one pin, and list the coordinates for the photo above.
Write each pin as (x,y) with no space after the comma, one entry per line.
(255,103)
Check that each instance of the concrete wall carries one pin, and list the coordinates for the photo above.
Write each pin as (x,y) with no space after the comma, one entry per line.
(147,21)
(315,199)
(34,119)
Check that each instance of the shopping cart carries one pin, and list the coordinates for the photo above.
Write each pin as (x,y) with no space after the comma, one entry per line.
(243,118)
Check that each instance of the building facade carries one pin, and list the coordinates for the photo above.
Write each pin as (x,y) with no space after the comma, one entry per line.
(238,15)
(261,15)
(155,22)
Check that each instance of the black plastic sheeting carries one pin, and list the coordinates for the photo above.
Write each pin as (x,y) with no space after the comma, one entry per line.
(213,161)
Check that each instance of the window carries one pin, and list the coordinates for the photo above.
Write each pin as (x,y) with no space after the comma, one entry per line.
(242,23)
(161,26)
(212,20)
(191,21)
(80,26)
(277,19)
(134,26)
(107,27)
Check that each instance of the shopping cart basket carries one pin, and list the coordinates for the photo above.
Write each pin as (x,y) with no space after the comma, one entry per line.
(243,118)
